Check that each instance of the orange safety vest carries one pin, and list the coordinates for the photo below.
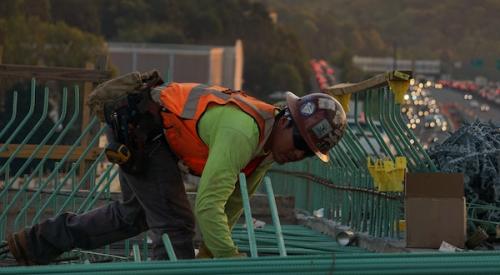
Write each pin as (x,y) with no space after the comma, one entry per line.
(184,104)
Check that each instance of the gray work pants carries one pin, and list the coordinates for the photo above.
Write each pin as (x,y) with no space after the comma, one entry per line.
(156,201)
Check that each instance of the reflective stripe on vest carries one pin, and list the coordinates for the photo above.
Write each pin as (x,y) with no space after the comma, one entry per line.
(194,98)
(186,103)
(156,91)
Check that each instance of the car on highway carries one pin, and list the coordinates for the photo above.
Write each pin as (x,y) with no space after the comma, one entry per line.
(467,97)
(436,121)
(485,108)
(429,121)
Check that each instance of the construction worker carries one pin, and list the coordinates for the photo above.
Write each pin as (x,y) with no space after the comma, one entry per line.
(217,133)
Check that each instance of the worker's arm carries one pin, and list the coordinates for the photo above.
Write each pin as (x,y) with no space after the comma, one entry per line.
(232,137)
(234,206)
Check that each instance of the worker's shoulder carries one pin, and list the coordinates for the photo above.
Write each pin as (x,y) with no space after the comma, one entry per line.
(228,125)
(230,113)
(232,117)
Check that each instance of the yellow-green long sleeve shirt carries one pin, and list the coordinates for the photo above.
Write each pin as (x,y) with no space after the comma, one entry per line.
(232,137)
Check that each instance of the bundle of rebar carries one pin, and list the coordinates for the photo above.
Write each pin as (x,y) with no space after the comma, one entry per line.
(474,149)
(366,263)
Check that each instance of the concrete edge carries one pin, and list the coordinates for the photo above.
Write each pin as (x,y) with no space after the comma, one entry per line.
(331,228)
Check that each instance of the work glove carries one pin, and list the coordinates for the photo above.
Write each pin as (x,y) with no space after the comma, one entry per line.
(204,253)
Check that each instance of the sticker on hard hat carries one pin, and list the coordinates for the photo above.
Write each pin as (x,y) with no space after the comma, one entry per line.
(325,103)
(322,129)
(328,142)
(307,109)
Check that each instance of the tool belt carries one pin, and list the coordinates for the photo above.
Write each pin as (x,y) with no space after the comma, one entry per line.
(135,121)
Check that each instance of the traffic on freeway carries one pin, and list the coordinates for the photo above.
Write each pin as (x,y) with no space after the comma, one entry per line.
(435,110)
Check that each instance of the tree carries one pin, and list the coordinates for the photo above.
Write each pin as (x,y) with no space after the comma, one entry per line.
(423,29)
(86,18)
(31,8)
(32,41)
(153,33)
(206,22)
(287,78)
(348,71)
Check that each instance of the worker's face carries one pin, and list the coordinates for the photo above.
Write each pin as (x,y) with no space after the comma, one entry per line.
(282,143)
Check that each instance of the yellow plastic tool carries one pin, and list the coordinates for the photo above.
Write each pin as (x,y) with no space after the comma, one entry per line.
(399,84)
(388,176)
(344,101)
(402,225)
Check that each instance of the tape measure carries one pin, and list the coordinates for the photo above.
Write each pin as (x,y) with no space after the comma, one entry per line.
(117,153)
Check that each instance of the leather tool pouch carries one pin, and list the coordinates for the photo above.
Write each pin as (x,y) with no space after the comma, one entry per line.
(125,104)
(136,122)
(119,87)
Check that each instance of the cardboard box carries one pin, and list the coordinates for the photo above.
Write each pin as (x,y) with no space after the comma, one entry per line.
(435,210)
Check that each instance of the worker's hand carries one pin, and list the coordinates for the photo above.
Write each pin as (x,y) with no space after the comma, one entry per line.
(203,252)
(240,255)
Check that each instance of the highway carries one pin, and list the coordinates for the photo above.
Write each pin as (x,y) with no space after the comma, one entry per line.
(463,109)
(444,96)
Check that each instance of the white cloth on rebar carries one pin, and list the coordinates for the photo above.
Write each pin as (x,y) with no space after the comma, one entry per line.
(256,224)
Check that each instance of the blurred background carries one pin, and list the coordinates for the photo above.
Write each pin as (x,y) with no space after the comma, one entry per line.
(270,46)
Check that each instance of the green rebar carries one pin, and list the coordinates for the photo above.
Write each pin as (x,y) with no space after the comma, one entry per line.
(137,252)
(25,119)
(370,114)
(275,217)
(355,147)
(358,125)
(391,263)
(44,141)
(168,247)
(76,188)
(105,189)
(30,133)
(382,103)
(80,159)
(386,102)
(248,215)
(411,154)
(12,116)
(8,183)
(399,119)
